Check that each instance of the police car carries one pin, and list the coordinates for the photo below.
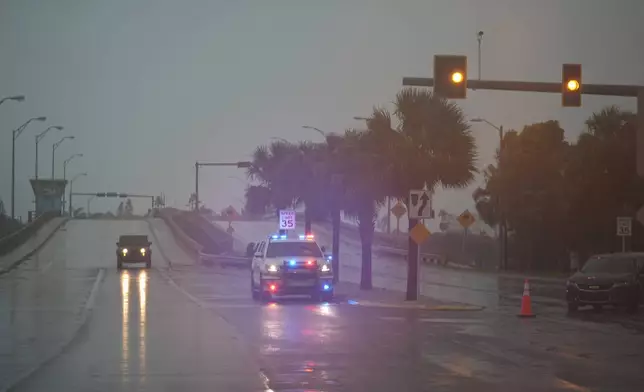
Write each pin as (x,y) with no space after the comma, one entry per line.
(284,265)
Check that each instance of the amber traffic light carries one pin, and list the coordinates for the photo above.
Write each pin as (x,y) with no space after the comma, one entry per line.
(450,76)
(571,85)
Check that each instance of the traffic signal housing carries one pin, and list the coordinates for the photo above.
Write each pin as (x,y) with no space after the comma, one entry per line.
(450,76)
(571,85)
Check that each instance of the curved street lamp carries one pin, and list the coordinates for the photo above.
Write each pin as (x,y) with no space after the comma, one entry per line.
(39,138)
(53,153)
(66,161)
(17,98)
(15,134)
(502,226)
(318,130)
(71,187)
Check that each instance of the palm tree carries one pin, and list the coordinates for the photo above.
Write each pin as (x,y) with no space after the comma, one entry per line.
(364,189)
(430,146)
(292,173)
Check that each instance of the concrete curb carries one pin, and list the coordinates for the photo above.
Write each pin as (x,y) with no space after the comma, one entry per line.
(446,307)
(158,243)
(16,263)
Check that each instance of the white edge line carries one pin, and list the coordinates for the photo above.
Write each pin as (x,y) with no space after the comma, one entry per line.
(183,291)
(89,305)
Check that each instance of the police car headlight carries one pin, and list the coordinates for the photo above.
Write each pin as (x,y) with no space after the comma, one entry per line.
(325,268)
(271,268)
(124,251)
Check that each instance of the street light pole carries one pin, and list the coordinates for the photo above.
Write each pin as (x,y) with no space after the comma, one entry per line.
(65,162)
(503,235)
(336,184)
(53,153)
(38,139)
(71,187)
(88,201)
(15,134)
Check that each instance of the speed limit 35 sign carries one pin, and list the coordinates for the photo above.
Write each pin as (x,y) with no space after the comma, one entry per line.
(624,226)
(287,219)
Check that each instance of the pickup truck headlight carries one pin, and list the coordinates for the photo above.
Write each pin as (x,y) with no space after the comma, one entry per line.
(143,251)
(272,268)
(325,268)
(124,251)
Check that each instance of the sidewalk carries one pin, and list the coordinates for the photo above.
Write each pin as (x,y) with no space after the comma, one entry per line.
(31,246)
(351,293)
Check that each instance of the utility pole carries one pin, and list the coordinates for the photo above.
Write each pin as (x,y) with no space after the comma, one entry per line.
(479,38)
(196,207)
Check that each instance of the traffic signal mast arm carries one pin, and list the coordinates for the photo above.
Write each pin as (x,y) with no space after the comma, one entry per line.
(615,90)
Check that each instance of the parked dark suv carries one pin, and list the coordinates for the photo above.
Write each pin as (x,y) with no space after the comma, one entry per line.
(609,279)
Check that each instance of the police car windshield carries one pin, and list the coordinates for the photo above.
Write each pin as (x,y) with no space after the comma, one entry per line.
(293,249)
(609,265)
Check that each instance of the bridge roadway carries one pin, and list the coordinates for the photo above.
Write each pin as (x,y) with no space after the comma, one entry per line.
(70,321)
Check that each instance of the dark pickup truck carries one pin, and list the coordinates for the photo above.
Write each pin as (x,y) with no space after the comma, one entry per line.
(133,249)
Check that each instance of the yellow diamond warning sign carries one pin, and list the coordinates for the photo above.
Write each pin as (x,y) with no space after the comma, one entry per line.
(398,210)
(466,219)
(419,233)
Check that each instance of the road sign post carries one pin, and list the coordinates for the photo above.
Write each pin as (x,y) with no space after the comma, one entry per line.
(398,211)
(287,219)
(624,229)
(418,208)
(466,219)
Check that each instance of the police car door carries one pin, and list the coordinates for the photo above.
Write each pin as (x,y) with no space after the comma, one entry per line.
(258,260)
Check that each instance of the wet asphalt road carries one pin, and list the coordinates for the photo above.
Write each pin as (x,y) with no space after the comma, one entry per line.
(193,328)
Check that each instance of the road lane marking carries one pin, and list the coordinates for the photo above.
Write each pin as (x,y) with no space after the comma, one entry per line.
(89,305)
(561,383)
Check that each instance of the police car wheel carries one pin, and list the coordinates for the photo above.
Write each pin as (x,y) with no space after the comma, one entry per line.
(327,297)
(266,296)
(253,291)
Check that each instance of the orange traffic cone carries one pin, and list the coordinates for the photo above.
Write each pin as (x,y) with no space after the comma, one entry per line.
(526,302)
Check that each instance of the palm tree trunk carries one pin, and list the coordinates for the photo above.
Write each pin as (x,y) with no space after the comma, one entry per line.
(366,238)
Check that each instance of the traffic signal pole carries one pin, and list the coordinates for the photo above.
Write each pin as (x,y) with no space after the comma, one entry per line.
(240,165)
(614,90)
(610,90)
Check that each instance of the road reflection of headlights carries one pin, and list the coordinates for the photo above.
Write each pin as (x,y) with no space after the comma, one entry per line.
(124,251)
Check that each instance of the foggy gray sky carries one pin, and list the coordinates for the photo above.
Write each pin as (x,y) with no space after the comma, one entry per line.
(149,86)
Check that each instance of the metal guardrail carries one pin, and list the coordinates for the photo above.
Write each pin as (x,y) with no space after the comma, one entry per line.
(14,240)
(224,261)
